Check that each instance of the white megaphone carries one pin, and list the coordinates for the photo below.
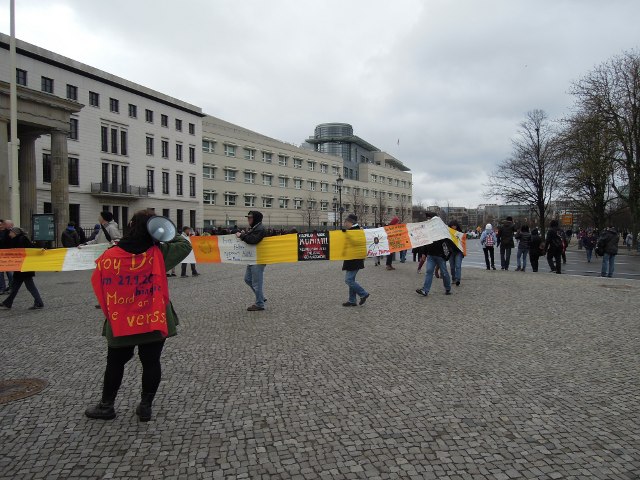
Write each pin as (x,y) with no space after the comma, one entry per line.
(161,229)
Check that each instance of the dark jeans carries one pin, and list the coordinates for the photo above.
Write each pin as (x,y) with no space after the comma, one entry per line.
(183,269)
(505,257)
(117,358)
(557,257)
(15,287)
(488,251)
(390,259)
(3,285)
(534,257)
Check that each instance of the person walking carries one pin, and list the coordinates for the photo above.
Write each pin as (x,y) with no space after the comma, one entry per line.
(629,241)
(554,246)
(608,244)
(505,240)
(488,240)
(5,242)
(455,260)
(438,253)
(122,337)
(351,267)
(254,274)
(70,237)
(524,245)
(589,241)
(186,233)
(20,240)
(536,248)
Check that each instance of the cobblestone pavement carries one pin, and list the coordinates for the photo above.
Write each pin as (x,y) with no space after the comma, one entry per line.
(516,375)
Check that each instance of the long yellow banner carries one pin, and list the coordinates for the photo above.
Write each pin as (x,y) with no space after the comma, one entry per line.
(332,245)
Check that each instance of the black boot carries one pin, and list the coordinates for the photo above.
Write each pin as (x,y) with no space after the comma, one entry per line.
(102,411)
(144,409)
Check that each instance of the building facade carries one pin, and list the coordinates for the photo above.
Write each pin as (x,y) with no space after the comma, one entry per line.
(129,147)
(294,186)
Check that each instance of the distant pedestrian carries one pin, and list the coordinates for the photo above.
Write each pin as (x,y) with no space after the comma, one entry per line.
(391,256)
(524,245)
(536,249)
(351,268)
(186,233)
(554,246)
(589,241)
(608,245)
(70,237)
(20,240)
(488,240)
(5,241)
(438,253)
(455,260)
(254,274)
(506,231)
(629,241)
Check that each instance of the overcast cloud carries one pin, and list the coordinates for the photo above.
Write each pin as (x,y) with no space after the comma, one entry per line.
(451,80)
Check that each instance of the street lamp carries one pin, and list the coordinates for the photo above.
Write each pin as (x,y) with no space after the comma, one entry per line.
(335,212)
(339,181)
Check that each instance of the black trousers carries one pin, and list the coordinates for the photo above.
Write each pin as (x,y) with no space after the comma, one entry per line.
(533,258)
(15,288)
(117,358)
(183,268)
(557,258)
(488,251)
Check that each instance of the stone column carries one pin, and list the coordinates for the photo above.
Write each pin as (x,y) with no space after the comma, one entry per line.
(5,178)
(59,181)
(27,178)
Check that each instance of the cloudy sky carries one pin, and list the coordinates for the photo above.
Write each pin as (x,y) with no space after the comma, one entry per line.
(449,80)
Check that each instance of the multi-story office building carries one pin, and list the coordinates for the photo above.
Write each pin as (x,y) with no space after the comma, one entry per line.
(129,147)
(294,186)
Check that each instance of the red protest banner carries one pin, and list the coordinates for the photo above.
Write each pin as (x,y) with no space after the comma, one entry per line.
(132,291)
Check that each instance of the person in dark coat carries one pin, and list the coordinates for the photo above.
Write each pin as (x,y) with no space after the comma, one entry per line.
(254,274)
(608,243)
(536,249)
(351,268)
(506,231)
(20,240)
(589,241)
(524,245)
(70,237)
(554,246)
(438,253)
(5,227)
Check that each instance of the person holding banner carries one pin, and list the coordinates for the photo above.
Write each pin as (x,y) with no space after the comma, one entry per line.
(254,275)
(438,253)
(18,239)
(130,284)
(351,267)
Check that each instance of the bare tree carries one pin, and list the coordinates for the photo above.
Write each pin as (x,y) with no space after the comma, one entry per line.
(588,148)
(533,174)
(311,215)
(612,92)
(358,204)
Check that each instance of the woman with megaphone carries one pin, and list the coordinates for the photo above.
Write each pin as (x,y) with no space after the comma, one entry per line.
(130,284)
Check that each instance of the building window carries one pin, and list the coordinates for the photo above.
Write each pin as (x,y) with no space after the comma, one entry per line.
(73,128)
(229,150)
(164,120)
(165,183)
(297,183)
(324,168)
(229,175)
(324,187)
(21,77)
(312,165)
(192,218)
(94,99)
(179,219)
(148,115)
(297,204)
(283,203)
(46,168)
(230,199)
(192,154)
(249,154)
(192,186)
(267,157)
(209,171)
(324,206)
(283,160)
(209,197)
(178,184)
(164,147)
(149,145)
(123,143)
(334,170)
(249,201)
(114,140)
(283,182)
(208,146)
(133,110)
(150,180)
(297,163)
(179,152)
(249,177)
(74,171)
(267,180)
(72,92)
(104,137)
(178,125)
(114,105)
(267,202)
(47,85)
(312,185)
(192,129)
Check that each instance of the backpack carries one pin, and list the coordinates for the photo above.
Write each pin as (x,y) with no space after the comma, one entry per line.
(489,240)
(556,241)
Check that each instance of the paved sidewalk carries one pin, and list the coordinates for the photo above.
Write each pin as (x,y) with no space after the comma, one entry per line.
(516,375)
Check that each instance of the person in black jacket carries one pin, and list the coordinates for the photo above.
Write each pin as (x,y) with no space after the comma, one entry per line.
(20,240)
(438,253)
(536,249)
(70,237)
(254,275)
(554,246)
(5,227)
(352,267)
(524,244)
(506,231)
(608,244)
